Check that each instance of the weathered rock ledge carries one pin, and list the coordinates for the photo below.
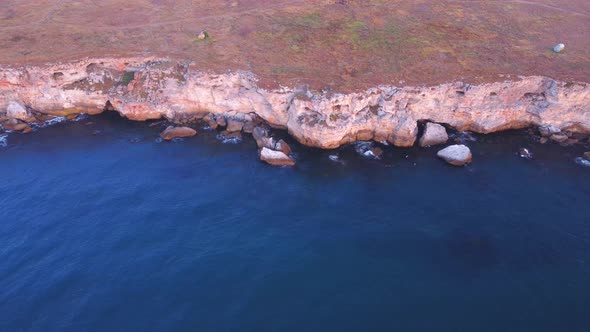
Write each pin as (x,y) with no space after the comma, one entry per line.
(148,88)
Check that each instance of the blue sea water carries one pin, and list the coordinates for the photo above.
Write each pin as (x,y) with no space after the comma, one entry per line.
(105,228)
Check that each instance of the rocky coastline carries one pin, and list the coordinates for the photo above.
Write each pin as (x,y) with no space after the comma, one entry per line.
(143,89)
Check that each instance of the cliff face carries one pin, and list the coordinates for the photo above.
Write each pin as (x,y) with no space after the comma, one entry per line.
(143,89)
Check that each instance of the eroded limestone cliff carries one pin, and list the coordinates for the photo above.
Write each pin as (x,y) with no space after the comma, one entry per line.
(148,88)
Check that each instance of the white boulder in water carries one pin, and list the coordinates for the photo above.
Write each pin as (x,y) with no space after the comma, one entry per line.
(558,48)
(457,155)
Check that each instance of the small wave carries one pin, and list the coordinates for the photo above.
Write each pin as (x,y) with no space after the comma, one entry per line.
(53,121)
(583,162)
(228,139)
(3,141)
(80,117)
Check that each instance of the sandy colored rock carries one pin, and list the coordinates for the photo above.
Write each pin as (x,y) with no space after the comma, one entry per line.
(17,111)
(248,127)
(172,132)
(547,131)
(434,134)
(234,125)
(559,138)
(282,146)
(14,125)
(275,158)
(162,88)
(457,155)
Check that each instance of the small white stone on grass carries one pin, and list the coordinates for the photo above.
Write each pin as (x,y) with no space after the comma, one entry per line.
(558,48)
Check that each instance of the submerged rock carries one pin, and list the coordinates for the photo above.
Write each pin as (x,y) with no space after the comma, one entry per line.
(587,155)
(230,137)
(275,158)
(434,134)
(465,136)
(368,150)
(172,132)
(457,155)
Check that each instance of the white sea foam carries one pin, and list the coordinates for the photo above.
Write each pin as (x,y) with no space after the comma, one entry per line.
(53,121)
(583,162)
(3,141)
(228,140)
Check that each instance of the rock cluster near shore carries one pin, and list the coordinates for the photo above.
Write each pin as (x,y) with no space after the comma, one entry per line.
(148,88)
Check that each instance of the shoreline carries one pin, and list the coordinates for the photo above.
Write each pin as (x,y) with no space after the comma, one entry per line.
(143,89)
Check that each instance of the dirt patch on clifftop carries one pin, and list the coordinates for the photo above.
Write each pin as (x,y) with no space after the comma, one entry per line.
(337,44)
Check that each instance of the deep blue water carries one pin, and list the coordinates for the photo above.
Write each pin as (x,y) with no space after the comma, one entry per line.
(102,228)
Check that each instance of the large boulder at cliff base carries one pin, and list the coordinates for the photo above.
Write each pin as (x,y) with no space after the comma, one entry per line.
(18,111)
(434,134)
(275,158)
(14,125)
(234,125)
(172,132)
(457,155)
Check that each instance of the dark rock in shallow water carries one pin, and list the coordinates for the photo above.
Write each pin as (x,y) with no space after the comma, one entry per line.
(587,155)
(456,155)
(171,133)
